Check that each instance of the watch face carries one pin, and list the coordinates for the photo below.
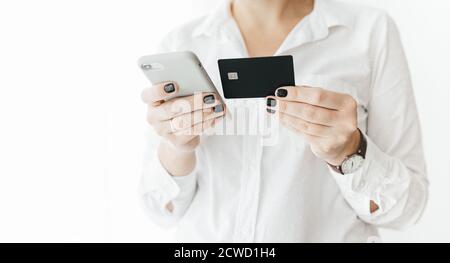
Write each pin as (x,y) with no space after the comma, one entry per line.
(352,163)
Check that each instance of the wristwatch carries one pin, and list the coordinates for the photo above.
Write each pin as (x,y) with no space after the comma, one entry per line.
(354,161)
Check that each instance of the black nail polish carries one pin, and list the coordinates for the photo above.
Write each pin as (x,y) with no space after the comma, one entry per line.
(282,93)
(169,88)
(218,108)
(209,99)
(270,111)
(271,102)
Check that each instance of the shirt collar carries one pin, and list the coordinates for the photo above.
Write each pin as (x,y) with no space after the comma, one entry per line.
(325,15)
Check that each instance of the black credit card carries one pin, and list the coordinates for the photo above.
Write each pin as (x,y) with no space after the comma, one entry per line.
(255,77)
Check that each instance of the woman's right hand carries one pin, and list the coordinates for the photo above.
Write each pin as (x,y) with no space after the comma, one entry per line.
(181,120)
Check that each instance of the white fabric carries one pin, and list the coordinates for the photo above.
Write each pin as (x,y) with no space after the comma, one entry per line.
(246,190)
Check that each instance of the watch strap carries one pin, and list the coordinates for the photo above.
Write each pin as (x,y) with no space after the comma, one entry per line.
(362,148)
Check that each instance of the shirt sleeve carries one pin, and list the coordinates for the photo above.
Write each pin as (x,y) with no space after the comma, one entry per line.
(393,174)
(158,188)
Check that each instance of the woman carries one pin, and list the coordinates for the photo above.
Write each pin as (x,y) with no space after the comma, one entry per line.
(348,157)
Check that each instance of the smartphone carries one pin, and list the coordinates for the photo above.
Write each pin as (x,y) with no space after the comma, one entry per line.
(184,68)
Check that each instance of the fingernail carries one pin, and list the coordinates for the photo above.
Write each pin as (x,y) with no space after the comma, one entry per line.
(218,108)
(270,111)
(271,102)
(169,88)
(282,93)
(209,99)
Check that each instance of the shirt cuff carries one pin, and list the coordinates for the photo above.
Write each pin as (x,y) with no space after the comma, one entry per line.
(164,188)
(366,184)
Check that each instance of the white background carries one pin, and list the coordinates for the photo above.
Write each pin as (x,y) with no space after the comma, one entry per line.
(71,119)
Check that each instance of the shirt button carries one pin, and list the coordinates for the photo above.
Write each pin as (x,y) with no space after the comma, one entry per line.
(362,184)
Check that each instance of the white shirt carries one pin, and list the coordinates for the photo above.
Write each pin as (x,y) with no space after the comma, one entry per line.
(245,190)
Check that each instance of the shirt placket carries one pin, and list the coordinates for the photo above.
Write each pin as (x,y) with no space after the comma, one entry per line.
(249,190)
(248,203)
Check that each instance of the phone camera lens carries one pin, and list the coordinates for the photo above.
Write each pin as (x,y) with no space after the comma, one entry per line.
(146,66)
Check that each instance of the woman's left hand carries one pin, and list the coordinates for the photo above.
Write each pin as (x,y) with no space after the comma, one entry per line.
(326,119)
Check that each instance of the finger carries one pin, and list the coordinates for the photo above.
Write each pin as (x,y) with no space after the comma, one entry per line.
(179,106)
(187,120)
(314,96)
(199,128)
(159,92)
(307,112)
(309,138)
(305,127)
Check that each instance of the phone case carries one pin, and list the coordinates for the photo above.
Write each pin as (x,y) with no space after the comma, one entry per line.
(184,68)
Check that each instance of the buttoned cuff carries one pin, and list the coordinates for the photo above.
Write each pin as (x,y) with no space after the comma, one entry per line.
(366,184)
(159,188)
